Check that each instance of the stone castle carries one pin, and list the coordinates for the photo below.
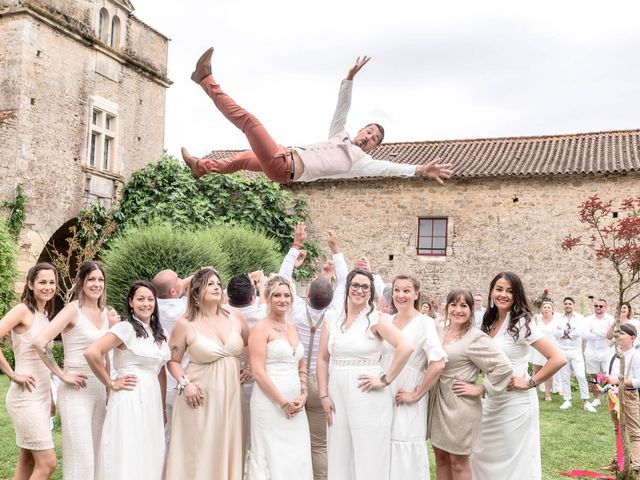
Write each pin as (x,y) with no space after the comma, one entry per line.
(82,106)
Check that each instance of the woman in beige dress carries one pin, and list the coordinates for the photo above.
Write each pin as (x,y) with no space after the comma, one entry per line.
(82,397)
(454,404)
(206,434)
(29,398)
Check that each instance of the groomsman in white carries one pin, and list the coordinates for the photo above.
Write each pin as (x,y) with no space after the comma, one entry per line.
(570,330)
(598,352)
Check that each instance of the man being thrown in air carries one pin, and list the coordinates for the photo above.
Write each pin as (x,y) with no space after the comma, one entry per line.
(337,157)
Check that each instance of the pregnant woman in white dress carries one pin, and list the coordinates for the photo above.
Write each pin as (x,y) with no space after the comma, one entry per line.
(132,444)
(280,444)
(358,406)
(409,457)
(510,442)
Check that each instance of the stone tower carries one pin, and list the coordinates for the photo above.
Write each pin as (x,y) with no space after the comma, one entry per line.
(82,105)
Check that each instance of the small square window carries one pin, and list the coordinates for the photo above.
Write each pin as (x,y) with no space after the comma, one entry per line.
(432,236)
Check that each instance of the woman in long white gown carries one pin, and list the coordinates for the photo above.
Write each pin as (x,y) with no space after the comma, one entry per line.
(132,444)
(358,406)
(510,443)
(280,442)
(81,397)
(409,457)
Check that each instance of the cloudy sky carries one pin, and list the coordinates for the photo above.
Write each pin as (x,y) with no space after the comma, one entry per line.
(439,70)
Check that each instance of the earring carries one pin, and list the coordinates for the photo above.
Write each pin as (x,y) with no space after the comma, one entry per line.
(491,303)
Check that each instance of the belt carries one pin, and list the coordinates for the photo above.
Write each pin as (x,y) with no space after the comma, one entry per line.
(289,154)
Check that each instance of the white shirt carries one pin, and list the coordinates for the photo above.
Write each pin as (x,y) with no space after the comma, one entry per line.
(573,341)
(170,310)
(478,314)
(595,334)
(631,367)
(303,313)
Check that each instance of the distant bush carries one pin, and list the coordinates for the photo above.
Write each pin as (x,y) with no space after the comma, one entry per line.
(141,252)
(246,249)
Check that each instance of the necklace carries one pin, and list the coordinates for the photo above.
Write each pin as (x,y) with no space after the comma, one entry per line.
(279,326)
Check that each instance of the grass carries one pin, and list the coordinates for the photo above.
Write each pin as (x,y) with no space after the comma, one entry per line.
(570,439)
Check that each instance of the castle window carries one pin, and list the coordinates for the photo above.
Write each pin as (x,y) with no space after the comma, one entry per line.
(115,32)
(432,236)
(102,142)
(103,25)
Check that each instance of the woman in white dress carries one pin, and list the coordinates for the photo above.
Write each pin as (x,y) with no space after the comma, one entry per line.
(29,400)
(510,444)
(81,397)
(358,406)
(132,444)
(409,457)
(280,442)
(546,321)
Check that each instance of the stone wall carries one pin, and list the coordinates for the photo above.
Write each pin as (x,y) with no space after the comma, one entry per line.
(51,76)
(494,224)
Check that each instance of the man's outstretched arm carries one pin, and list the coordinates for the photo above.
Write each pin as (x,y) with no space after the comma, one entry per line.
(339,120)
(369,167)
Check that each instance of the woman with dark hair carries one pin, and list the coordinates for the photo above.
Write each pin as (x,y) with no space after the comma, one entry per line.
(358,406)
(81,397)
(280,442)
(29,401)
(455,409)
(409,455)
(510,426)
(132,444)
(626,316)
(206,435)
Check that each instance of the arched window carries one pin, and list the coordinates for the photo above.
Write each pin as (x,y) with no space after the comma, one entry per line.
(103,26)
(115,32)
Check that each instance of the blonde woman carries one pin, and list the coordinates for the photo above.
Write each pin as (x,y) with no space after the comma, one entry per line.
(280,444)
(547,323)
(29,401)
(82,398)
(206,434)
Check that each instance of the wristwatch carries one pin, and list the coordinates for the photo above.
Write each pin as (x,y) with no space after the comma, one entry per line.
(383,379)
(532,383)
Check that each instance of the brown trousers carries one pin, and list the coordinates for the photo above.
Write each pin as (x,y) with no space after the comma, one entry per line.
(631,412)
(317,429)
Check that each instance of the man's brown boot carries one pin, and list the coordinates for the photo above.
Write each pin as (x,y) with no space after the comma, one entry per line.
(192,163)
(203,67)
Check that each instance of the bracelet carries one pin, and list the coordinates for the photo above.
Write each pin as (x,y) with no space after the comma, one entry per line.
(324,396)
(182,383)
(285,405)
(296,245)
(11,377)
(383,379)
(111,385)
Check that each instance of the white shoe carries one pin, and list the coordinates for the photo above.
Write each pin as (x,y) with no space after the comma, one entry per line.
(566,405)
(589,408)
(596,402)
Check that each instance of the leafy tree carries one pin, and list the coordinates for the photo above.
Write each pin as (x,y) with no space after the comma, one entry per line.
(617,240)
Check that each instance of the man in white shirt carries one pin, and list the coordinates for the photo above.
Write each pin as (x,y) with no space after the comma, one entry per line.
(338,157)
(172,304)
(598,352)
(571,327)
(308,317)
(478,309)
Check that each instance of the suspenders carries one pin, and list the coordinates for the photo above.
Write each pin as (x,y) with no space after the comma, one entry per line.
(312,328)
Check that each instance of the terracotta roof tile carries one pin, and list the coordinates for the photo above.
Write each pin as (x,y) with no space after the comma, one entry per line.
(594,152)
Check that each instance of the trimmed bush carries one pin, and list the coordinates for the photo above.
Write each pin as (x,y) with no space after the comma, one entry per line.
(8,354)
(140,253)
(246,249)
(8,252)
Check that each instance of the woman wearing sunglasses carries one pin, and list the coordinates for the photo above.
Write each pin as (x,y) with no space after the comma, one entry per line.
(356,400)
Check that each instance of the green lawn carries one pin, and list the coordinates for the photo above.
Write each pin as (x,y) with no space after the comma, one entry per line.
(570,439)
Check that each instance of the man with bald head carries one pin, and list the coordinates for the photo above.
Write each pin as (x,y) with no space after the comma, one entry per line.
(172,304)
